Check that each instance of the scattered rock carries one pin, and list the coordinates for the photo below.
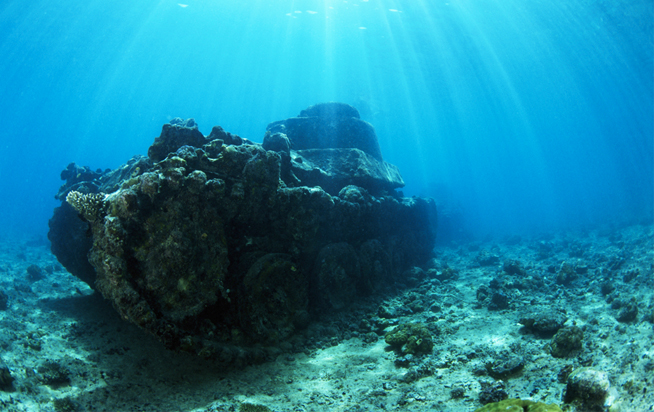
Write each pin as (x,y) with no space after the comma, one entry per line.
(485,258)
(545,249)
(629,312)
(566,341)
(566,274)
(588,387)
(443,274)
(4,301)
(411,338)
(606,288)
(386,312)
(252,407)
(518,405)
(34,273)
(413,276)
(544,325)
(6,380)
(483,294)
(581,269)
(457,393)
(504,368)
(64,405)
(564,373)
(498,300)
(492,392)
(630,275)
(514,267)
(53,374)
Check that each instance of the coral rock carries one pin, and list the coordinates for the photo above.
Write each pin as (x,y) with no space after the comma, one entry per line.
(566,341)
(518,405)
(589,387)
(411,338)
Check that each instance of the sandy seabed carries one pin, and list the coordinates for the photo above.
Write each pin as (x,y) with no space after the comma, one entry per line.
(68,350)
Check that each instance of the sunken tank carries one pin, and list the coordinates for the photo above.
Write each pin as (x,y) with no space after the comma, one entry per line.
(224,247)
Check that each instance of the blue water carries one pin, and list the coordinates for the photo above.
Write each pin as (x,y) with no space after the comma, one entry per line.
(518,116)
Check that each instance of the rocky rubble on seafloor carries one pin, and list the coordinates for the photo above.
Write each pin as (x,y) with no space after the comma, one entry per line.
(224,247)
(434,344)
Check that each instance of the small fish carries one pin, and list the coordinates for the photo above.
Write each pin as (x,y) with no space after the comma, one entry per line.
(182,5)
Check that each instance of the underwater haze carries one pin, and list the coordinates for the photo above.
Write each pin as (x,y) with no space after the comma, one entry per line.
(517,116)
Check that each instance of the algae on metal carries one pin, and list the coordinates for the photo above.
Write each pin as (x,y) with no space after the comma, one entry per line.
(218,246)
